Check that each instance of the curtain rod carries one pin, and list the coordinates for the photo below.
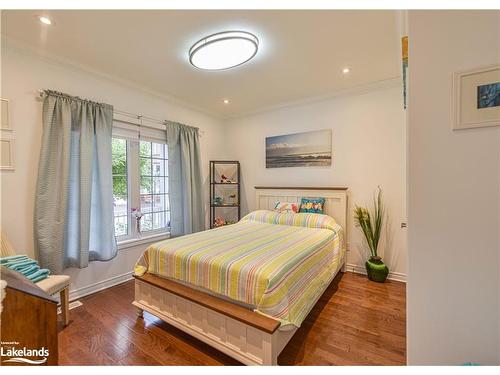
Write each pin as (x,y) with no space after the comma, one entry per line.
(42,92)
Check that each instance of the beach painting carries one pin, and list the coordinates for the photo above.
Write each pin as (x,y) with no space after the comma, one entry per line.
(309,149)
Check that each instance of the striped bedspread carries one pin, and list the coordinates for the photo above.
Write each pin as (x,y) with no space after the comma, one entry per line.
(279,263)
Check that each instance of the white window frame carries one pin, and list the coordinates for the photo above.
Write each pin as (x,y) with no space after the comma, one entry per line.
(133,238)
(154,232)
(127,236)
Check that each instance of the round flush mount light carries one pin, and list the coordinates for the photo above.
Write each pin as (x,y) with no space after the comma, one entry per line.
(226,101)
(223,50)
(346,70)
(45,20)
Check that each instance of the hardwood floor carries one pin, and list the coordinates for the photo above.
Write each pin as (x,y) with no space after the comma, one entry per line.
(356,322)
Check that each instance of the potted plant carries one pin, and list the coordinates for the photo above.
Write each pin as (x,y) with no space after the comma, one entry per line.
(371,223)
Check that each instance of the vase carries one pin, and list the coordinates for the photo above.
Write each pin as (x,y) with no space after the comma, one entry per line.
(376,269)
(138,227)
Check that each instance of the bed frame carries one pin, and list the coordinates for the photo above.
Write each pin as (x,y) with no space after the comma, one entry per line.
(249,337)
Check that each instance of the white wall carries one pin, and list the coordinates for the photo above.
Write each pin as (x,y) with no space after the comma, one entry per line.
(368,150)
(453,207)
(23,73)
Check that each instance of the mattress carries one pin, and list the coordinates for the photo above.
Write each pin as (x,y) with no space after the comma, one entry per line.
(279,264)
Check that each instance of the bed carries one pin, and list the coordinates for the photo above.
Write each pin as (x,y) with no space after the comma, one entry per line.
(246,288)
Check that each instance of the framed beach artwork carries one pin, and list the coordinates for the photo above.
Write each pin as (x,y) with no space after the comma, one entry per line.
(309,149)
(477,98)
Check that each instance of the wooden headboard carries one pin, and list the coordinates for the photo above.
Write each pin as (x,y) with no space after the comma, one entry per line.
(335,199)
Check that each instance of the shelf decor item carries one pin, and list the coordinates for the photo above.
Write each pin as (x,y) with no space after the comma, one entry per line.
(224,192)
(371,223)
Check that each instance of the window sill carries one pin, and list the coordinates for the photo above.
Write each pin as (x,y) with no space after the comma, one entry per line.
(126,244)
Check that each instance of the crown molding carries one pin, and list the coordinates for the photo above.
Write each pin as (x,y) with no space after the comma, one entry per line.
(351,91)
(9,43)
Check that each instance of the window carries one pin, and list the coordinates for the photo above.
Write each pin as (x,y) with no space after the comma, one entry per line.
(154,186)
(140,180)
(120,186)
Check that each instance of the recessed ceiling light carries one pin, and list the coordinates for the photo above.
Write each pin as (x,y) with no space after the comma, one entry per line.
(346,70)
(45,20)
(223,50)
(226,101)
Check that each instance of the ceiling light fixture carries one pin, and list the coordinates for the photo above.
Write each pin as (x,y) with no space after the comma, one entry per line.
(226,101)
(45,20)
(346,70)
(224,50)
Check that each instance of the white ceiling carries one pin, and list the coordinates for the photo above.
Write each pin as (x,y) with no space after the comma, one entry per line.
(301,53)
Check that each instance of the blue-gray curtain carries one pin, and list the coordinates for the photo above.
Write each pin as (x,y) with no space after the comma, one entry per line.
(185,181)
(73,222)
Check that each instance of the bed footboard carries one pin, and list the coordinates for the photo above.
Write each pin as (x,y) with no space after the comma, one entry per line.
(247,336)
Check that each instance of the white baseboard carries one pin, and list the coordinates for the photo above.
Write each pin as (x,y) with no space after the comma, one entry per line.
(396,276)
(108,283)
(100,285)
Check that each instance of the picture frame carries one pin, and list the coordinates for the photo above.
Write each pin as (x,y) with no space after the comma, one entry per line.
(304,149)
(7,154)
(476,98)
(5,123)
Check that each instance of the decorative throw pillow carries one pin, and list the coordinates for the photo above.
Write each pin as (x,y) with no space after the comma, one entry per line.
(314,205)
(286,207)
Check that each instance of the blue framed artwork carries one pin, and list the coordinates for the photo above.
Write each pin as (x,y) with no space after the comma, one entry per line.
(477,98)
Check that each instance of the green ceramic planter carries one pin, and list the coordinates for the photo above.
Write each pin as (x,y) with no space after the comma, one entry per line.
(376,269)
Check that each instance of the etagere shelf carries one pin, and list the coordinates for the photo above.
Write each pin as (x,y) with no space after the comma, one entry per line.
(224,192)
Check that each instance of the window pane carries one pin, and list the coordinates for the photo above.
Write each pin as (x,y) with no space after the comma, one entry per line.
(166,167)
(120,225)
(153,186)
(166,185)
(158,185)
(158,150)
(159,203)
(145,149)
(159,220)
(120,188)
(147,222)
(120,185)
(146,185)
(145,166)
(146,203)
(119,152)
(159,167)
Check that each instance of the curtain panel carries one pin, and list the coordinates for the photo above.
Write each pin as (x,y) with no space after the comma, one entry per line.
(187,209)
(73,221)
